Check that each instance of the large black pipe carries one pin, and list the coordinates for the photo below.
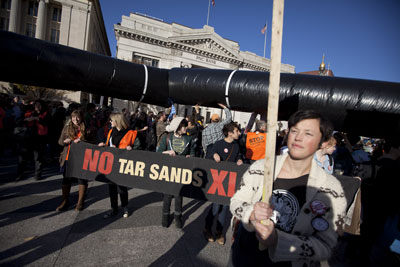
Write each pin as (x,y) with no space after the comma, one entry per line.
(31,61)
(370,108)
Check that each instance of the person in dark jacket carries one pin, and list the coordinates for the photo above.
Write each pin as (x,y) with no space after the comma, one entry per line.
(175,143)
(380,227)
(226,149)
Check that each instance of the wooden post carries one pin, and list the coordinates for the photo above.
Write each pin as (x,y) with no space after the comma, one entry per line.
(273,99)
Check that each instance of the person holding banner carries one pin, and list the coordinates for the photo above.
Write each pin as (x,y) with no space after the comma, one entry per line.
(73,132)
(121,137)
(176,142)
(307,206)
(226,149)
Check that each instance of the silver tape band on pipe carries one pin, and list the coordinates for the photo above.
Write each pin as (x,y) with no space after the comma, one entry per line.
(146,77)
(227,88)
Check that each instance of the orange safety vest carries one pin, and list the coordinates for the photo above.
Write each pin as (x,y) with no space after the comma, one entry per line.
(255,145)
(69,146)
(127,140)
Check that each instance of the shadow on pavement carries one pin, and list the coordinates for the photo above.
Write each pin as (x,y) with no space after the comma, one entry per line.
(48,205)
(35,249)
(177,255)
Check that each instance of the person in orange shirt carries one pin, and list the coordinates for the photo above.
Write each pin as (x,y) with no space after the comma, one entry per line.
(122,137)
(37,122)
(255,142)
(73,132)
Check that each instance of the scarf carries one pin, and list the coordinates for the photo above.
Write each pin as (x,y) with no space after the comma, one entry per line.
(116,136)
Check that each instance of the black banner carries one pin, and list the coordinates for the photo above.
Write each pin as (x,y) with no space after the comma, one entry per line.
(196,178)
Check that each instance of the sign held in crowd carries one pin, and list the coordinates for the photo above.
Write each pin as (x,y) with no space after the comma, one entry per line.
(190,177)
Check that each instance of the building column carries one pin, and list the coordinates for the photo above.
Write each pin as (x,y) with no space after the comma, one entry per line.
(14,13)
(41,21)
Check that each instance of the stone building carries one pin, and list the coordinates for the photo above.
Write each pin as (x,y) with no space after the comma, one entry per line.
(74,23)
(147,40)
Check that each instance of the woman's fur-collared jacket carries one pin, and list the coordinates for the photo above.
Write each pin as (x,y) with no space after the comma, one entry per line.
(304,245)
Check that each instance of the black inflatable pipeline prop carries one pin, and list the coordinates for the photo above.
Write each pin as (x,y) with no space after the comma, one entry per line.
(31,61)
(366,107)
(369,108)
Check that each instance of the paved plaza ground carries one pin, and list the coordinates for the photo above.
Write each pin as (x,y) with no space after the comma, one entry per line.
(33,233)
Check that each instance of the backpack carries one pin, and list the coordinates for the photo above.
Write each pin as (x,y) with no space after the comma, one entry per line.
(343,161)
(363,170)
(362,164)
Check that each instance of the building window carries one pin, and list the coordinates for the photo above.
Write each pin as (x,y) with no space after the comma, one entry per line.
(145,60)
(55,36)
(33,8)
(4,23)
(30,30)
(6,4)
(208,116)
(57,14)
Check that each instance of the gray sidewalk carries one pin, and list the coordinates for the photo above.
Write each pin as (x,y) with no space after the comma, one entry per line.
(33,233)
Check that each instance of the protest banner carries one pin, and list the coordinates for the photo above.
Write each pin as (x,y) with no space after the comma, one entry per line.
(196,178)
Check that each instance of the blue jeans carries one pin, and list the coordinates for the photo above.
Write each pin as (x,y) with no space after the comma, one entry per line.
(220,210)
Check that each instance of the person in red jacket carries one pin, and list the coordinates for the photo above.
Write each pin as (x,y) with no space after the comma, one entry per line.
(37,123)
(122,137)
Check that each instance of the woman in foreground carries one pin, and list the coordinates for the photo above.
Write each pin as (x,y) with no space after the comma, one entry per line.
(306,209)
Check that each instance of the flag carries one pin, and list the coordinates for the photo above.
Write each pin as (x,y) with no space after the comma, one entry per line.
(263,30)
(213,2)
(172,113)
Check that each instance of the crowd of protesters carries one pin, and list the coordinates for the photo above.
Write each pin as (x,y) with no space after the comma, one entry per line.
(43,131)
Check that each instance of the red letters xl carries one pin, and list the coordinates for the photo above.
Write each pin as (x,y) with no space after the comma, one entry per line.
(217,184)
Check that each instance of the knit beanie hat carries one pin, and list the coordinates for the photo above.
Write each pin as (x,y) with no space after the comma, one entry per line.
(174,124)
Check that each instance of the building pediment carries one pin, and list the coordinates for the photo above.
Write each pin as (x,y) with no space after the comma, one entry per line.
(208,44)
(205,45)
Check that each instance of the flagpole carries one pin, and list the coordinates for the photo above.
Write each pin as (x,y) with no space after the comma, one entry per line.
(208,13)
(265,38)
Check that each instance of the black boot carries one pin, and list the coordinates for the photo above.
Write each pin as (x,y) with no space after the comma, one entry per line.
(178,221)
(165,220)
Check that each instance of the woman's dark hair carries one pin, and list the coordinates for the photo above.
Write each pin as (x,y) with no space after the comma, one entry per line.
(230,127)
(391,141)
(142,116)
(191,119)
(43,104)
(325,126)
(339,139)
(183,123)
